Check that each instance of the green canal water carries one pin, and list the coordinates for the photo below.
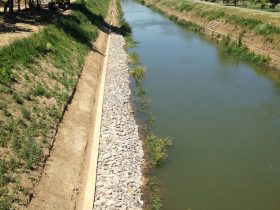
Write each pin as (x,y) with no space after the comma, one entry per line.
(223,115)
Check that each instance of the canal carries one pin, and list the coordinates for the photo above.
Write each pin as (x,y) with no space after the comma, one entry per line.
(221,113)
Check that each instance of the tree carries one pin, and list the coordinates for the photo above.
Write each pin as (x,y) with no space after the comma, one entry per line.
(273,3)
(263,3)
(9,5)
(18,5)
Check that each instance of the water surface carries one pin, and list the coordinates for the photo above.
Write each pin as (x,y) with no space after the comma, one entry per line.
(222,114)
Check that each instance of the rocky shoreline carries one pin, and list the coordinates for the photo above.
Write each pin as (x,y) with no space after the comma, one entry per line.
(119,176)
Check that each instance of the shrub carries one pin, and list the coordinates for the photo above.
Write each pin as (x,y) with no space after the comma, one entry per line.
(125,29)
(157,148)
(138,73)
(185,6)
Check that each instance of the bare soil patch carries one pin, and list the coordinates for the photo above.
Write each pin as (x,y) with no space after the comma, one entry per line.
(25,23)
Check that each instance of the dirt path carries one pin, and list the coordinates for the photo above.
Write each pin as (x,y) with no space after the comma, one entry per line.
(62,183)
(20,27)
(11,32)
(240,8)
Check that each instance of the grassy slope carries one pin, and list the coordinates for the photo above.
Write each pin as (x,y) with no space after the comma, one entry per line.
(233,14)
(259,30)
(37,77)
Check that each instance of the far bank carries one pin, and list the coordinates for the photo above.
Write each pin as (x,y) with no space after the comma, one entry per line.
(254,36)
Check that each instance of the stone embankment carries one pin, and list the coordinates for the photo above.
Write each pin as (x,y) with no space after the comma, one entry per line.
(119,176)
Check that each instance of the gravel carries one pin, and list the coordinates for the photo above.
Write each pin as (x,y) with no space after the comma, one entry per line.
(119,176)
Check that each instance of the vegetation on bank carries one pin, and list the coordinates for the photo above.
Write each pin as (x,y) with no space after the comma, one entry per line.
(230,46)
(138,73)
(155,147)
(237,49)
(125,28)
(256,25)
(133,58)
(262,24)
(38,76)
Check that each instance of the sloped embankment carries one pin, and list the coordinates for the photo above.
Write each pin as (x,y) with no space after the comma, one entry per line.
(38,78)
(252,35)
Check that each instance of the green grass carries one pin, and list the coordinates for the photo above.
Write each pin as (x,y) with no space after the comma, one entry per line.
(125,28)
(253,24)
(211,15)
(37,76)
(129,42)
(184,6)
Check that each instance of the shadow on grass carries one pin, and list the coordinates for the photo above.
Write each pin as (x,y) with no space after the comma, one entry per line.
(28,16)
(74,26)
(32,16)
(98,20)
(7,28)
